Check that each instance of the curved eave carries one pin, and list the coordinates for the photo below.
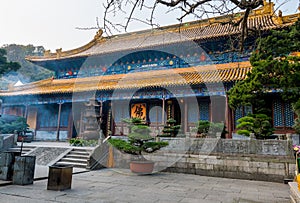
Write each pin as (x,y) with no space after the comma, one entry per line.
(152,79)
(198,30)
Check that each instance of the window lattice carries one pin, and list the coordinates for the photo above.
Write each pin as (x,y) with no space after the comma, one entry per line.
(204,111)
(289,115)
(277,114)
(238,114)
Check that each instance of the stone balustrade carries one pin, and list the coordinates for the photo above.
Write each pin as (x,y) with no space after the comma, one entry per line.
(267,160)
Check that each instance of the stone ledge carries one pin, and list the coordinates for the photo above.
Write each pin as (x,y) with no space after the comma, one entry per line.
(294,192)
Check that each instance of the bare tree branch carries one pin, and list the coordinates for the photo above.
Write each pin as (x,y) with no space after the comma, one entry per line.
(197,8)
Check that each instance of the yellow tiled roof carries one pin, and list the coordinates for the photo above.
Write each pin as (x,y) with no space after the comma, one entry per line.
(151,79)
(263,18)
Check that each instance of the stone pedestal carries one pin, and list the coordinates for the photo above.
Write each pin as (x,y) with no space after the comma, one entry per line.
(7,160)
(60,177)
(24,170)
(294,192)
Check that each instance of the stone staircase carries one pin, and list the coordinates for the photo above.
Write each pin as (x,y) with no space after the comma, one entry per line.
(25,149)
(77,157)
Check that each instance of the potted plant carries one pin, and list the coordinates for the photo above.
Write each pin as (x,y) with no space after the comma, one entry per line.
(139,141)
(202,128)
(170,129)
(207,128)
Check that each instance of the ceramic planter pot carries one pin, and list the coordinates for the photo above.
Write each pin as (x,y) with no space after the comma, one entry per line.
(142,167)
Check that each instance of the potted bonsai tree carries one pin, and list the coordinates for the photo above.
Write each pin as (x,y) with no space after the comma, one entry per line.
(139,142)
(209,129)
(170,129)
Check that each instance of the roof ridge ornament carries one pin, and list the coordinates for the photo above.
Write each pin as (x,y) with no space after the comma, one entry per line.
(268,7)
(58,53)
(98,37)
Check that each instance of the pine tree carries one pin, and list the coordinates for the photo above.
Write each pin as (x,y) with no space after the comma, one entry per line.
(6,66)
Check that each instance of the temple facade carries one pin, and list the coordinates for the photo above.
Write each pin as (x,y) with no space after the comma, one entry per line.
(180,71)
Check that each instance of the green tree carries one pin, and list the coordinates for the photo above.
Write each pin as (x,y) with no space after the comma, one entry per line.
(28,72)
(259,124)
(275,67)
(9,123)
(6,66)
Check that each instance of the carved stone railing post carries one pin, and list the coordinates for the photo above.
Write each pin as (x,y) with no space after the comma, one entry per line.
(252,144)
(289,143)
(1,143)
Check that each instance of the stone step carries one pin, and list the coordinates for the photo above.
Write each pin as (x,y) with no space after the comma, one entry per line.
(24,147)
(25,150)
(84,153)
(18,150)
(83,149)
(77,156)
(72,160)
(76,165)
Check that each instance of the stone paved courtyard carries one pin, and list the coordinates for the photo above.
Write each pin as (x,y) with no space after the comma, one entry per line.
(109,185)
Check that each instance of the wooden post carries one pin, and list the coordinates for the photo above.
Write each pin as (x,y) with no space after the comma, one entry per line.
(228,118)
(26,112)
(58,121)
(1,112)
(186,122)
(163,111)
(109,121)
(210,107)
(101,110)
(110,160)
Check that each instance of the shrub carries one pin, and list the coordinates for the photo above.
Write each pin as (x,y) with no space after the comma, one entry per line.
(259,124)
(10,123)
(139,140)
(206,127)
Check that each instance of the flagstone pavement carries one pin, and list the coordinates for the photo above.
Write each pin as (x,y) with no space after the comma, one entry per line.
(109,185)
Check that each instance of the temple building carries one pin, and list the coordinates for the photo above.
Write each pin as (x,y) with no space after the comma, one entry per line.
(180,71)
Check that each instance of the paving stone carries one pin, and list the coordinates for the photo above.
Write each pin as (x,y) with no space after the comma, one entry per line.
(109,186)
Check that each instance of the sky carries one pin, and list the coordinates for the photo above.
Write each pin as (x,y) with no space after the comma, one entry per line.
(53,23)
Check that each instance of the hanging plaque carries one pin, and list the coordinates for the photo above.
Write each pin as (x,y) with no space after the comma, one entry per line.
(138,111)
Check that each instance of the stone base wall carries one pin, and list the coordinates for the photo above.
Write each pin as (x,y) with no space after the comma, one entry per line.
(51,135)
(7,141)
(264,168)
(294,192)
(266,160)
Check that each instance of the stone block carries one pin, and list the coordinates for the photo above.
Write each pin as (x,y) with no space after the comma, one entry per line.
(181,164)
(60,177)
(215,161)
(271,171)
(193,160)
(294,192)
(258,164)
(7,160)
(279,166)
(219,168)
(235,175)
(200,166)
(209,166)
(24,170)
(245,169)
(231,168)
